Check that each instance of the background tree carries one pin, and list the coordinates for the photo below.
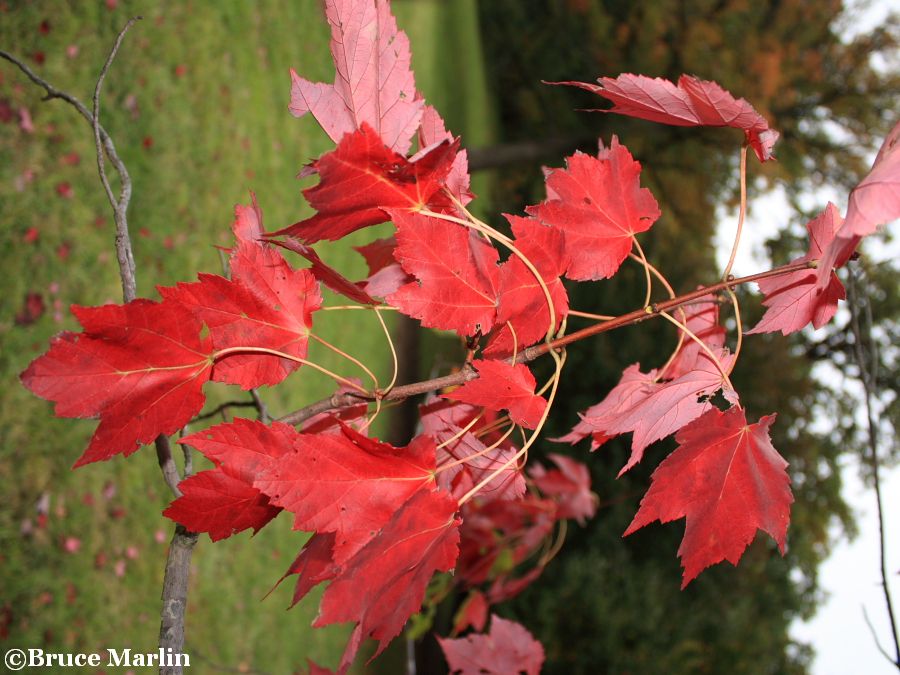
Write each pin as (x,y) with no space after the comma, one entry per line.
(792,60)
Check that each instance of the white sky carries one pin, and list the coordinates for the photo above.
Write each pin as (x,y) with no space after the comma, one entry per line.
(850,577)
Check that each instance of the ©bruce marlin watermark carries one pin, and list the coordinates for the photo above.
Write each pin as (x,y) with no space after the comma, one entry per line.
(16,659)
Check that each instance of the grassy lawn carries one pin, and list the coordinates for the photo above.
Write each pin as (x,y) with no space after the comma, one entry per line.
(197,105)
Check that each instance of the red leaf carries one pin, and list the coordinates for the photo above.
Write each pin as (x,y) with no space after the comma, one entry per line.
(313,565)
(793,300)
(362,178)
(386,275)
(727,480)
(378,254)
(508,648)
(384,583)
(456,476)
(140,367)
(875,201)
(220,504)
(266,304)
(653,410)
(693,102)
(501,386)
(248,225)
(522,300)
(373,82)
(456,272)
(329,276)
(433,130)
(570,486)
(347,484)
(630,389)
(496,534)
(702,319)
(472,612)
(223,501)
(599,206)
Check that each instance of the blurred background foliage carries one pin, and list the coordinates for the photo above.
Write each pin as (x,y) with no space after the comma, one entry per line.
(197,105)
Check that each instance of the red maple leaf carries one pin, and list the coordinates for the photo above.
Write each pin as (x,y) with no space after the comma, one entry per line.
(220,504)
(433,130)
(248,225)
(456,272)
(569,486)
(347,484)
(501,386)
(631,389)
(472,612)
(386,275)
(599,206)
(266,304)
(378,254)
(727,480)
(464,460)
(384,583)
(692,102)
(313,565)
(223,501)
(499,534)
(875,201)
(362,179)
(523,304)
(794,300)
(508,648)
(140,367)
(701,318)
(373,82)
(653,410)
(329,276)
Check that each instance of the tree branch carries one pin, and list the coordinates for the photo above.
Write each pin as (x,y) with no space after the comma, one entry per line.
(120,206)
(867,371)
(102,140)
(175,585)
(401,392)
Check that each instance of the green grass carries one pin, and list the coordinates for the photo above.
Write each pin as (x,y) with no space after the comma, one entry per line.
(197,105)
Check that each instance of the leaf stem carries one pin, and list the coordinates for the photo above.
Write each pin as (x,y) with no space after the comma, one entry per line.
(700,343)
(738,324)
(480,226)
(741,214)
(589,315)
(643,260)
(487,449)
(222,353)
(347,356)
(531,440)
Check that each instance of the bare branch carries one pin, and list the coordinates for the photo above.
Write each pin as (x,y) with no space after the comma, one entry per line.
(881,649)
(167,464)
(120,206)
(261,408)
(174,595)
(219,409)
(867,370)
(102,140)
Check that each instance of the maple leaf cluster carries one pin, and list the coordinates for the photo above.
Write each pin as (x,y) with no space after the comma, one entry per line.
(383,520)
